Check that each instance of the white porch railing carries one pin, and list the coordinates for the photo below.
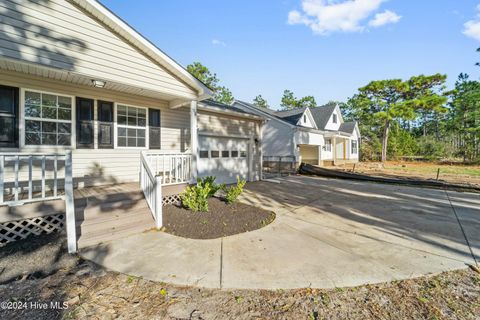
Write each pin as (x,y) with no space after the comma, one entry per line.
(23,179)
(158,169)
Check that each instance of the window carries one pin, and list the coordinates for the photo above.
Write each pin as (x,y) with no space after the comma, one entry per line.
(334,118)
(214,153)
(243,154)
(203,154)
(84,109)
(328,145)
(154,129)
(234,154)
(131,126)
(354,147)
(48,119)
(8,117)
(225,154)
(105,124)
(304,118)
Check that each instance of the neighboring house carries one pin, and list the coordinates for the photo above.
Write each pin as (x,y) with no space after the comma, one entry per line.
(83,92)
(312,135)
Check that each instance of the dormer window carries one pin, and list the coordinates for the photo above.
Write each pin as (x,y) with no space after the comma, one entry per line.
(304,118)
(334,119)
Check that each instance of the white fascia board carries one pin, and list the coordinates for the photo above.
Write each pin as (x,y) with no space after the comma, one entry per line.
(124,30)
(310,116)
(339,114)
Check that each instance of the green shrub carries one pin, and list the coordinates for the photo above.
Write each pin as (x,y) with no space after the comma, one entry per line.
(232,193)
(210,183)
(196,197)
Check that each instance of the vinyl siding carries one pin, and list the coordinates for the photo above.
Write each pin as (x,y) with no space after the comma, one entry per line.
(57,34)
(104,166)
(277,137)
(224,125)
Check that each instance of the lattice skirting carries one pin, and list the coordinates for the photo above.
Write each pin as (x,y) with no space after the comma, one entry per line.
(173,199)
(16,230)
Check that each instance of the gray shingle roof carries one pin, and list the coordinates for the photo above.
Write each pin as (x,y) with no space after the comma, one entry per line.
(347,127)
(223,106)
(266,110)
(321,115)
(291,116)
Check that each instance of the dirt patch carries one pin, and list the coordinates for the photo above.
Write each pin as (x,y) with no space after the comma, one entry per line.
(221,220)
(452,173)
(93,293)
(35,257)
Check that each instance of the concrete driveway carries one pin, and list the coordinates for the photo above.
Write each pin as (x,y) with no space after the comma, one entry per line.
(328,233)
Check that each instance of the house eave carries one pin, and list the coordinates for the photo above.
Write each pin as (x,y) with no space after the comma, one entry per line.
(124,30)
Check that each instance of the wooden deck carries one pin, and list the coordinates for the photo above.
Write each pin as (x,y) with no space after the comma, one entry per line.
(109,213)
(104,213)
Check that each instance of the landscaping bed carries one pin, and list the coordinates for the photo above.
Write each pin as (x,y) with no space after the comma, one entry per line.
(221,220)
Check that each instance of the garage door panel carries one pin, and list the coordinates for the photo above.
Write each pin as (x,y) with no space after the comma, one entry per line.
(226,169)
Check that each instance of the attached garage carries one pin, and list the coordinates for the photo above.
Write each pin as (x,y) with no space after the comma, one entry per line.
(229,143)
(223,157)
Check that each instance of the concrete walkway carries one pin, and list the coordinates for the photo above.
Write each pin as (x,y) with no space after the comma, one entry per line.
(328,233)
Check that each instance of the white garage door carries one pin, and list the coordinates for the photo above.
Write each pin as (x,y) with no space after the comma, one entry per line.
(224,158)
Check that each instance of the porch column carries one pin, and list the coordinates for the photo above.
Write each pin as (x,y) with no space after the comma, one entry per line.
(334,146)
(319,155)
(194,138)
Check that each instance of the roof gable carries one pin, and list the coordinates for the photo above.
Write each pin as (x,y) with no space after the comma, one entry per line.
(323,114)
(123,29)
(80,40)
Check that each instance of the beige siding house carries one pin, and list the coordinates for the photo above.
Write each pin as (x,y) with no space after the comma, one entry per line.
(85,100)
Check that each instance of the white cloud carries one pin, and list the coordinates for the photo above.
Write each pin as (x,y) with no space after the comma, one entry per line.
(217,42)
(384,18)
(326,16)
(472,27)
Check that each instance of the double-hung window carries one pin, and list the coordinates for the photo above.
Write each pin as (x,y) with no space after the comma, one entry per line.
(8,116)
(48,119)
(131,126)
(328,145)
(354,147)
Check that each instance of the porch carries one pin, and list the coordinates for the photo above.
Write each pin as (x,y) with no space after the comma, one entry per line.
(37,196)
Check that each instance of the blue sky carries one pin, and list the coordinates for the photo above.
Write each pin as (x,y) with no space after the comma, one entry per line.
(324,48)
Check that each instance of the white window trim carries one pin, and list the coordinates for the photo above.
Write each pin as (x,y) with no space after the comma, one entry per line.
(115,128)
(22,126)
(356,146)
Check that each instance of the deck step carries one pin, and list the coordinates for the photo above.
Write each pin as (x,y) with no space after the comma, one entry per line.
(99,211)
(111,213)
(114,221)
(111,236)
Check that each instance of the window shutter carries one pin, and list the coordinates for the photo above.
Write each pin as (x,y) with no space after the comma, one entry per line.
(84,123)
(105,124)
(9,117)
(154,129)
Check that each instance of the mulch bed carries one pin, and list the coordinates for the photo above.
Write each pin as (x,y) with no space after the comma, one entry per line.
(221,220)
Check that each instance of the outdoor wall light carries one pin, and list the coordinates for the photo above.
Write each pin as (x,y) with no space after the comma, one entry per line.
(98,83)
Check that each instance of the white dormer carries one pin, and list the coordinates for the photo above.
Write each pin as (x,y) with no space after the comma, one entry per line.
(335,120)
(306,120)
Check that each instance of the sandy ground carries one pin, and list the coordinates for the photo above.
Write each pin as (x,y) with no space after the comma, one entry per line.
(93,293)
(420,170)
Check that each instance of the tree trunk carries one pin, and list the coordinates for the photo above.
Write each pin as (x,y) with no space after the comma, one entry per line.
(386,131)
